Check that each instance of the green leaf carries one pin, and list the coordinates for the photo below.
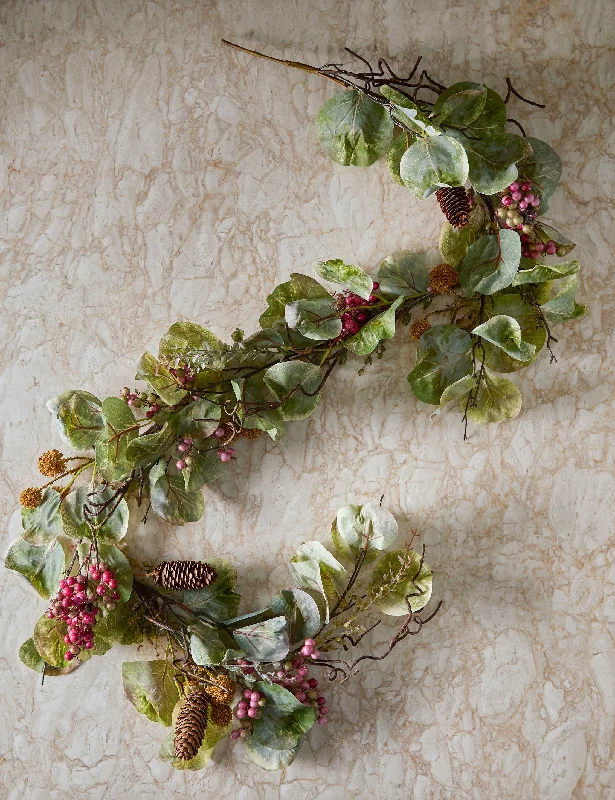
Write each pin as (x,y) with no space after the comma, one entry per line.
(454,242)
(314,319)
(408,113)
(400,579)
(151,688)
(112,528)
(160,379)
(498,400)
(505,332)
(213,735)
(301,613)
(200,418)
(492,119)
(443,357)
(284,719)
(492,161)
(546,233)
(432,162)
(78,417)
(353,129)
(354,278)
(491,263)
(543,169)
(455,391)
(254,390)
(217,601)
(48,639)
(205,468)
(513,304)
(207,647)
(112,461)
(145,449)
(42,523)
(299,287)
(460,104)
(563,307)
(42,565)
(185,337)
(368,526)
(403,274)
(314,568)
(378,329)
(264,641)
(398,147)
(545,272)
(29,655)
(169,497)
(270,757)
(122,626)
(297,381)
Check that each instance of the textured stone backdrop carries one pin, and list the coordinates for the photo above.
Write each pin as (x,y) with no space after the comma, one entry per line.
(146,175)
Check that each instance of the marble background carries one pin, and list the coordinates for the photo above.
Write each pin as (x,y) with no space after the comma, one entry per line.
(146,175)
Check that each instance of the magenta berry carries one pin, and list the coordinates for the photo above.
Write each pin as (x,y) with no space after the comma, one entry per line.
(322,720)
(69,656)
(219,433)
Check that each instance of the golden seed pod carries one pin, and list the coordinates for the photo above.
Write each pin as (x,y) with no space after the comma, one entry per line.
(221,690)
(221,715)
(31,498)
(251,433)
(51,463)
(418,328)
(442,278)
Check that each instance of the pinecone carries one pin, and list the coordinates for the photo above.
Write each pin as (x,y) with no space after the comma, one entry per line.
(31,498)
(455,205)
(251,433)
(442,278)
(418,328)
(221,689)
(183,575)
(51,463)
(191,724)
(221,715)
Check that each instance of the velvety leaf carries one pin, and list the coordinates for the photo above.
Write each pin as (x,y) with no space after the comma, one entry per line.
(314,319)
(255,390)
(460,104)
(79,419)
(353,129)
(491,263)
(498,400)
(378,329)
(160,379)
(545,272)
(432,162)
(284,719)
(299,287)
(514,305)
(301,613)
(150,687)
(205,468)
(492,160)
(369,526)
(492,119)
(43,523)
(112,461)
(48,639)
(270,757)
(455,391)
(208,647)
(400,580)
(264,641)
(398,147)
(454,242)
(112,528)
(200,418)
(300,380)
(145,449)
(122,626)
(543,169)
(403,274)
(169,497)
(354,278)
(443,357)
(563,307)
(505,332)
(184,338)
(42,565)
(408,113)
(314,568)
(218,601)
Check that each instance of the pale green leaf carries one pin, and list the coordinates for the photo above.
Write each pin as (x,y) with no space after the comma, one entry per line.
(443,357)
(403,274)
(284,719)
(497,400)
(299,287)
(401,582)
(563,307)
(505,332)
(151,688)
(78,417)
(160,379)
(491,263)
(354,278)
(42,565)
(314,319)
(376,330)
(432,162)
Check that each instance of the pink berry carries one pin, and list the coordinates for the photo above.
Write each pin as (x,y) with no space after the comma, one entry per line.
(247,693)
(539,247)
(71,581)
(361,317)
(525,253)
(112,583)
(375,285)
(514,186)
(115,595)
(315,654)
(516,196)
(49,614)
(313,683)
(63,583)
(309,643)
(321,701)
(529,198)
(100,590)
(324,710)
(536,202)
(242,704)
(534,254)
(322,720)
(254,703)
(69,656)
(67,591)
(219,433)
(255,696)
(241,713)
(67,639)
(254,713)
(551,250)
(183,447)
(66,603)
(95,575)
(81,580)
(108,575)
(87,619)
(303,671)
(231,451)
(526,187)
(301,696)
(349,300)
(180,463)
(235,734)
(306,651)
(305,685)
(224,456)
(372,298)
(351,326)
(506,200)
(522,205)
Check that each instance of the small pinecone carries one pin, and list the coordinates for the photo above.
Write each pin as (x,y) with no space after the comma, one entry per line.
(455,205)
(183,575)
(251,433)
(418,328)
(51,463)
(191,724)
(31,498)
(442,278)
(221,715)
(221,690)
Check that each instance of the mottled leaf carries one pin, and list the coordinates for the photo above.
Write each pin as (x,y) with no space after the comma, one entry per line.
(160,379)
(43,523)
(299,287)
(42,565)
(376,330)
(354,278)
(284,719)
(460,104)
(443,357)
(151,688)
(403,274)
(79,419)
(491,263)
(498,400)
(505,332)
(563,307)
(401,581)
(264,641)
(432,162)
(314,319)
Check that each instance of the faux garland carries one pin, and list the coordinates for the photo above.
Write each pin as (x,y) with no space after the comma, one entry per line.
(253,676)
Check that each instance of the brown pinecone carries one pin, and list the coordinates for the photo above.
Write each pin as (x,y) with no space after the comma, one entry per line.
(418,328)
(442,278)
(183,575)
(31,498)
(191,724)
(455,205)
(221,689)
(51,463)
(251,433)
(221,715)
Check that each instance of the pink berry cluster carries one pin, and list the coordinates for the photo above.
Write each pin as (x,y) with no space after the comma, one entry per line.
(530,249)
(184,375)
(77,603)
(294,676)
(247,709)
(225,454)
(185,453)
(355,314)
(138,399)
(518,210)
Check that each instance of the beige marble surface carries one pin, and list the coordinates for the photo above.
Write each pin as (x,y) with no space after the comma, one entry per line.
(148,175)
